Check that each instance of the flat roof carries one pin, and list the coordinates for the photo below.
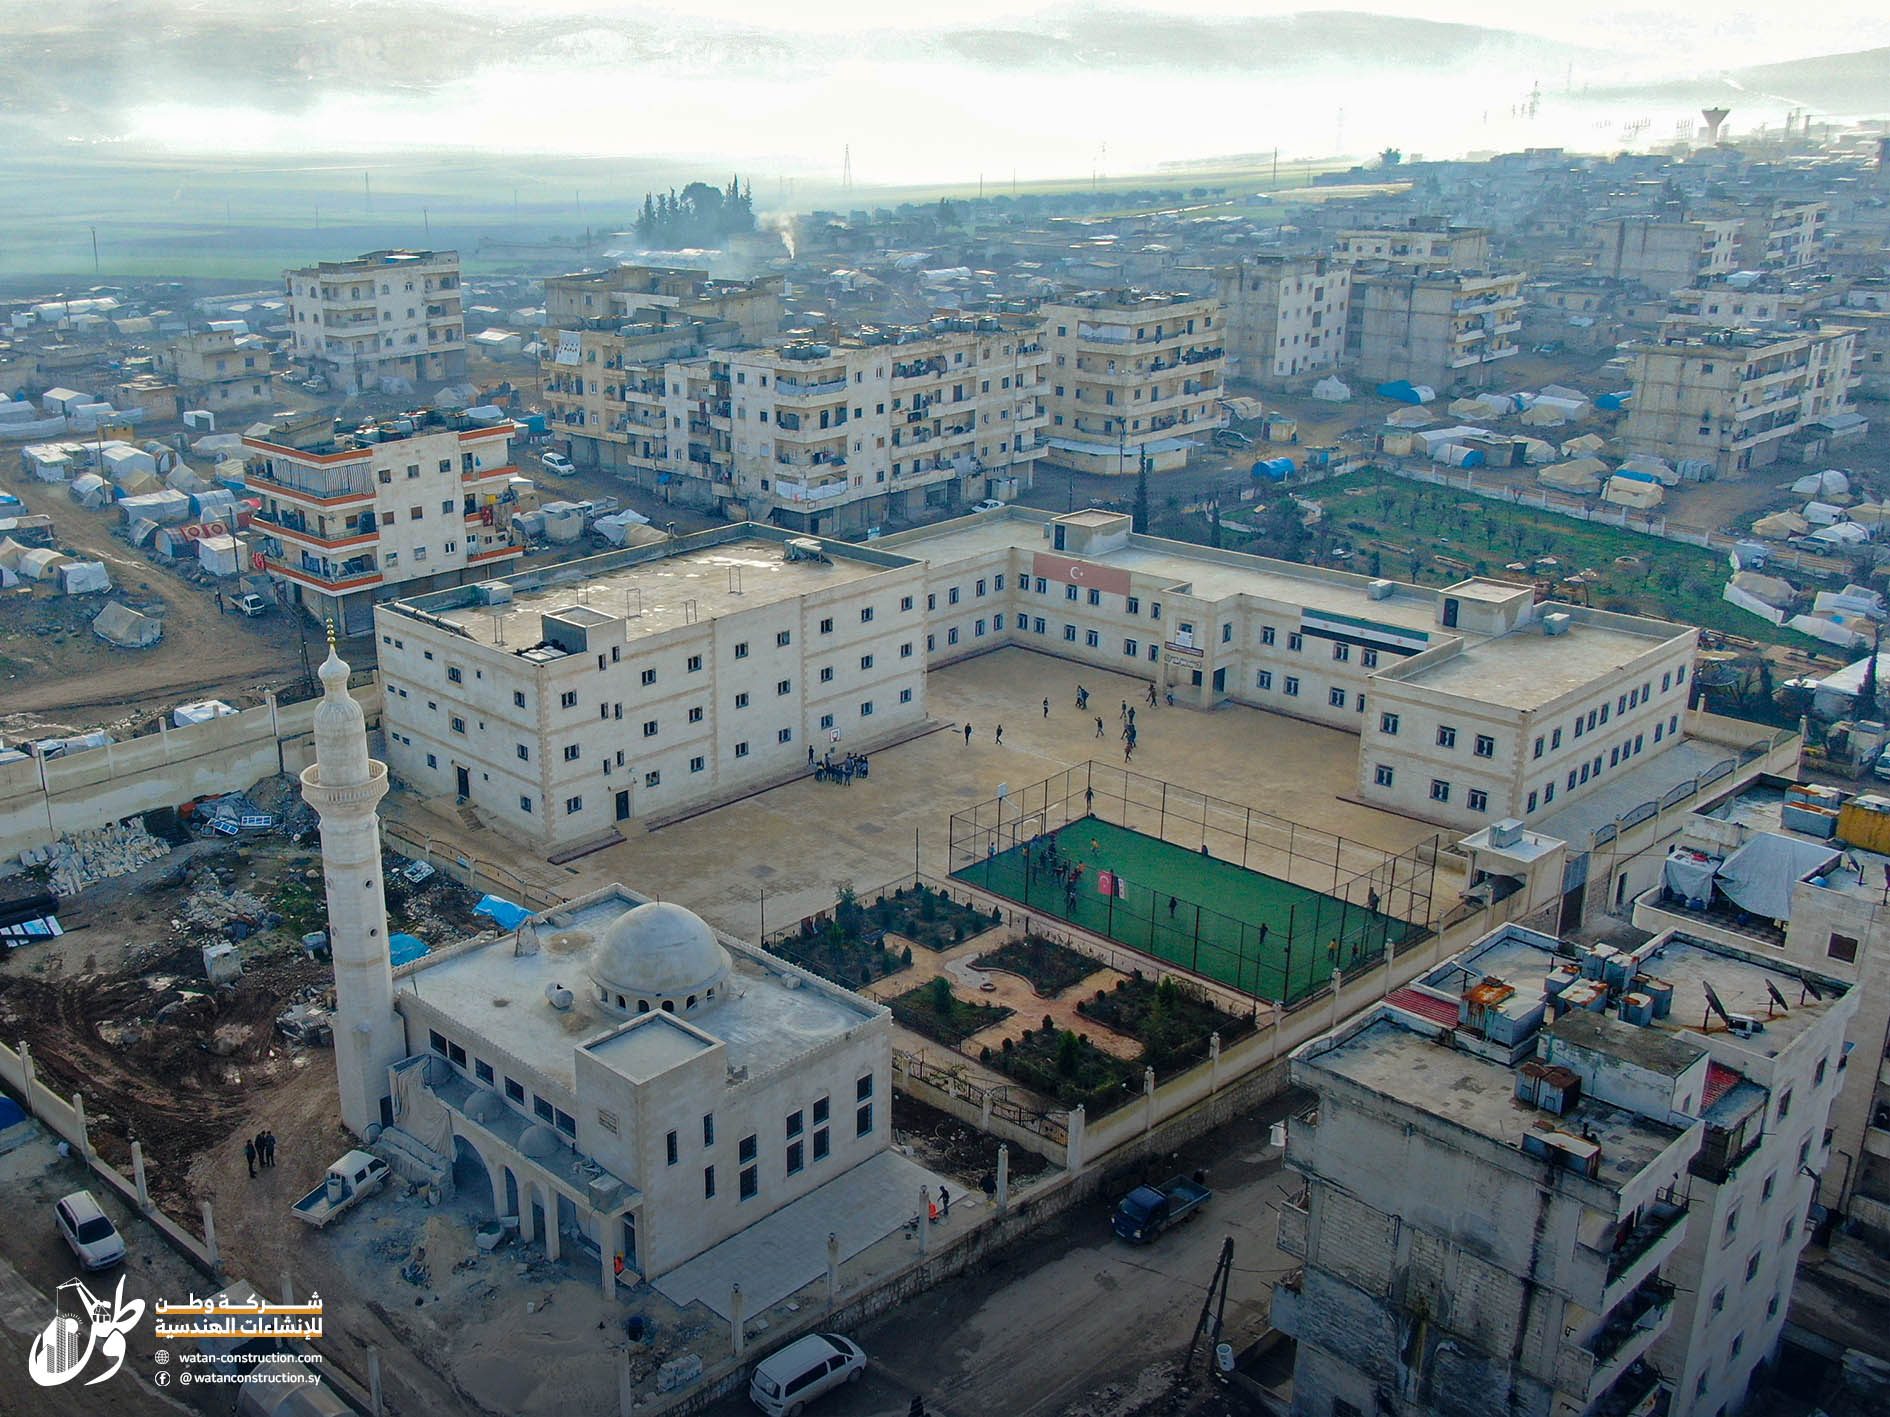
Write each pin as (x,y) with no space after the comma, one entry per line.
(767,1015)
(1458,1087)
(1862,874)
(1668,767)
(1526,669)
(660,594)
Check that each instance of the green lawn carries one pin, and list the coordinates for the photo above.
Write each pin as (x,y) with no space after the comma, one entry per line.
(1417,522)
(1221,910)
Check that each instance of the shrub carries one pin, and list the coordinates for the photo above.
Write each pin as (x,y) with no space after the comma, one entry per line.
(984,1054)
(941,994)
(1047,1025)
(905,955)
(1069,1053)
(1007,1045)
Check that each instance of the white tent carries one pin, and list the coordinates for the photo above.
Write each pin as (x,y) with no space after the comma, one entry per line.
(1770,589)
(84,577)
(1780,526)
(1830,630)
(1746,600)
(41,564)
(1822,513)
(1537,453)
(200,712)
(1658,468)
(1829,483)
(221,555)
(1331,390)
(1842,534)
(1582,475)
(1632,492)
(1584,443)
(90,490)
(122,626)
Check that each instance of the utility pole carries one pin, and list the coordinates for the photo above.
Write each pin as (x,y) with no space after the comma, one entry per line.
(1213,1307)
(94,231)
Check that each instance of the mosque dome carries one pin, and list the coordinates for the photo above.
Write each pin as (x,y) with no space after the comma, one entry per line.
(658,956)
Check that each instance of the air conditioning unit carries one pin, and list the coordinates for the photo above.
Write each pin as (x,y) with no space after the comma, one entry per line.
(1556,623)
(1380,590)
(1745,1025)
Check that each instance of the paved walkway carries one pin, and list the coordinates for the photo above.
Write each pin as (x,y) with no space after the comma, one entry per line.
(779,1254)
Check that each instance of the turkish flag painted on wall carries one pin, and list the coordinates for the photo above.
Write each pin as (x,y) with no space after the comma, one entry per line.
(1083,573)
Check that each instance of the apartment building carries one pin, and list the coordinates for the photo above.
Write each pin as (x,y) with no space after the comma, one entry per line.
(1731,397)
(1135,376)
(1558,1181)
(1823,910)
(1666,254)
(563,701)
(1740,302)
(219,369)
(1423,243)
(1444,328)
(885,425)
(1786,235)
(879,426)
(611,339)
(386,315)
(1285,317)
(350,518)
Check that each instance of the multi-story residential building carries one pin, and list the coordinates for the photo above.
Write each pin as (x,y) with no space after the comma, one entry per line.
(830,435)
(1743,302)
(386,315)
(220,369)
(1285,317)
(1423,243)
(409,503)
(1731,397)
(1788,235)
(1665,254)
(1436,327)
(1558,1181)
(1134,376)
(605,299)
(1822,909)
(734,657)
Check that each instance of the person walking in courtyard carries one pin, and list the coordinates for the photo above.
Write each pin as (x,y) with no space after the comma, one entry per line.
(999,741)
(1046,708)
(944,1202)
(1151,696)
(270,1149)
(249,1155)
(967,733)
(1128,750)
(1172,903)
(1099,728)
(810,755)
(1123,712)
(1089,798)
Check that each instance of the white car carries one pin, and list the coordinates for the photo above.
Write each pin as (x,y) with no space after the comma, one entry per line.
(558,465)
(783,1383)
(89,1231)
(989,504)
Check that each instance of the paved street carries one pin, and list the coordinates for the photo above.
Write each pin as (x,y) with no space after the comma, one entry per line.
(1074,1320)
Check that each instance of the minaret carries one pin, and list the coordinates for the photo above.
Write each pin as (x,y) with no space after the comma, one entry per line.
(343,786)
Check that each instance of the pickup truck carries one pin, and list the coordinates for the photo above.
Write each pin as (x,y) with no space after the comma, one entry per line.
(349,1181)
(251,605)
(1146,1211)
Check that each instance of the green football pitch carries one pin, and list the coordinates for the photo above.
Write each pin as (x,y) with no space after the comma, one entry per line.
(1255,932)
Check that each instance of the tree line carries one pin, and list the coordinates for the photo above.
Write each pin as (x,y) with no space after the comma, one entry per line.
(699,215)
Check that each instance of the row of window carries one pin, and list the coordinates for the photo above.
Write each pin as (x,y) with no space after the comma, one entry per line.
(1588,722)
(794,1154)
(1131,603)
(1476,799)
(1289,686)
(1482,745)
(1296,642)
(514,1091)
(1593,768)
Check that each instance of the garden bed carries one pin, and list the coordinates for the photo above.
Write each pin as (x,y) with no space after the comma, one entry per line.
(1172,1024)
(1050,967)
(1065,1066)
(933,1010)
(843,948)
(928,917)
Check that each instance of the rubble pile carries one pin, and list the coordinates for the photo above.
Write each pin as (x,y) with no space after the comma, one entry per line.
(85,858)
(212,909)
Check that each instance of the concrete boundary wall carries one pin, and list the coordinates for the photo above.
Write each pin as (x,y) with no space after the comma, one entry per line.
(43,799)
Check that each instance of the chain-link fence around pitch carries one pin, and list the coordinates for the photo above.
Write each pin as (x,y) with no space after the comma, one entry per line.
(1243,897)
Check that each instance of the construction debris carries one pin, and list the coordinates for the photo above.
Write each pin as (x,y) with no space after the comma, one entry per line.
(85,858)
(234,915)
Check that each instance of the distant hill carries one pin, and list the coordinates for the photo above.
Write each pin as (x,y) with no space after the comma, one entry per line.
(1857,83)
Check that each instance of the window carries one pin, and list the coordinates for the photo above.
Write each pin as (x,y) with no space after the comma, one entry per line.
(905,602)
(1555,739)
(826,625)
(568,700)
(515,1091)
(821,1105)
(1388,724)
(826,674)
(1092,638)
(1485,746)
(826,721)
(571,752)
(1336,697)
(652,779)
(866,614)
(1440,790)
(1382,775)
(1295,642)
(1817,1077)
(866,709)
(1369,658)
(741,749)
(454,675)
(1478,800)
(786,686)
(784,638)
(1738,1342)
(524,753)
(749,1146)
(670,1149)
(649,728)
(648,677)
(784,735)
(518,698)
(1446,737)
(1342,652)
(1842,948)
(1533,798)
(708,1183)
(524,804)
(1069,592)
(1069,633)
(1135,608)
(543,1109)
(863,1119)
(573,805)
(905,650)
(1785,1104)
(794,1157)
(1291,688)
(821,1144)
(1732,1226)
(1537,751)
(698,763)
(794,1123)
(708,1129)
(1095,596)
(695,714)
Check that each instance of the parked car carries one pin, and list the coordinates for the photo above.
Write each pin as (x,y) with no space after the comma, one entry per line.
(351,1179)
(89,1231)
(1232,438)
(1146,1211)
(989,504)
(252,605)
(558,465)
(785,1382)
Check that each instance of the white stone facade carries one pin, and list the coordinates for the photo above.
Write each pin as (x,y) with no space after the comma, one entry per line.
(384,315)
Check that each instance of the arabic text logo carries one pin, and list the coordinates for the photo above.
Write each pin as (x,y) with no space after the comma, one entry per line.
(65,1346)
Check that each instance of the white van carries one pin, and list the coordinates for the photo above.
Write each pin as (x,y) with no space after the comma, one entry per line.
(786,1382)
(558,464)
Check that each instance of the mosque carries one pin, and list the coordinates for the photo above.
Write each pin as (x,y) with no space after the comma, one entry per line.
(627,1080)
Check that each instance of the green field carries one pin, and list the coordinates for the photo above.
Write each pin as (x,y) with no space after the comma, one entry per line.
(1215,928)
(1408,525)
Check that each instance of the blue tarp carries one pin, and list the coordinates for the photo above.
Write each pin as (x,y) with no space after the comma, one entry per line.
(405,949)
(1615,401)
(1633,476)
(506,914)
(1279,469)
(1403,390)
